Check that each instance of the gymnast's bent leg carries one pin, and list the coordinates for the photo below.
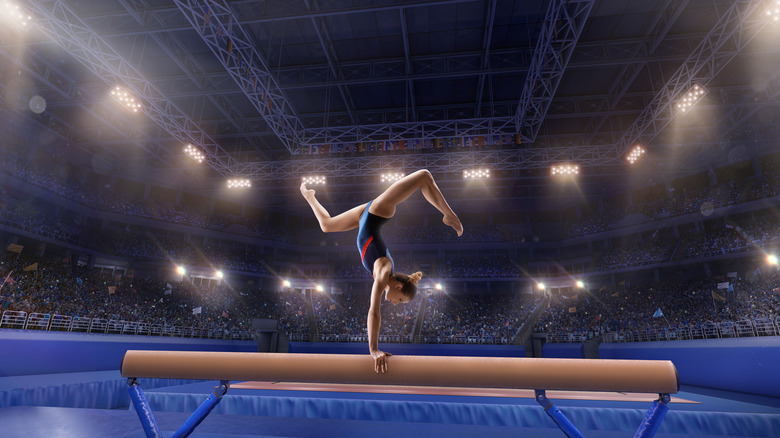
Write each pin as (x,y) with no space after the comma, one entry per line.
(401,190)
(348,220)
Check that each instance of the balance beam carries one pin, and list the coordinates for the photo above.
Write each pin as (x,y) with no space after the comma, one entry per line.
(477,372)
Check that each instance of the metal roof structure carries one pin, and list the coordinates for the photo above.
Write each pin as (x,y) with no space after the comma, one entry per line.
(274,89)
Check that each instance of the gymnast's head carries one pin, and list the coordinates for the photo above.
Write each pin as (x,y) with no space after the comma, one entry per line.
(402,287)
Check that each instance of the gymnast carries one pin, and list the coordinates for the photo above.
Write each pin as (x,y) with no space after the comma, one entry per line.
(369,218)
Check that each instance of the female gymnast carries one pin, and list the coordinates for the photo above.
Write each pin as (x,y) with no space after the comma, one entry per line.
(369,218)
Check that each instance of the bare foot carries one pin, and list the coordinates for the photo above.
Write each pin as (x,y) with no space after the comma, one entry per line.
(306,192)
(454,222)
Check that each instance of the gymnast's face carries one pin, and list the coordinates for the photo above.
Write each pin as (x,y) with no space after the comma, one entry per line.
(394,294)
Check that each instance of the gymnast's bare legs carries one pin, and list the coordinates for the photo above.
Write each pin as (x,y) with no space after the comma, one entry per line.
(384,205)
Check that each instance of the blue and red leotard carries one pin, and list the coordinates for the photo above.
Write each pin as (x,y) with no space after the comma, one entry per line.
(369,242)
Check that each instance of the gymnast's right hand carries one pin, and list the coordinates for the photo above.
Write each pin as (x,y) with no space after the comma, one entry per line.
(380,360)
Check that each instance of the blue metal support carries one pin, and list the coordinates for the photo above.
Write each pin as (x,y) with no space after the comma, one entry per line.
(203,410)
(149,424)
(653,418)
(557,416)
(144,411)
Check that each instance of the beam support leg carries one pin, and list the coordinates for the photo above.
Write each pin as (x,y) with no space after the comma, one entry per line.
(203,410)
(557,416)
(143,410)
(653,417)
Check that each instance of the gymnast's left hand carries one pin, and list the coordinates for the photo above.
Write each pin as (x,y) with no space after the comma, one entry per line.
(380,361)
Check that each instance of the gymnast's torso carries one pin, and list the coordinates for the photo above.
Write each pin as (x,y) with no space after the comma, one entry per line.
(369,241)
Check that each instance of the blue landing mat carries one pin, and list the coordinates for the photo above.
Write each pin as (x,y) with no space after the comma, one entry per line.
(25,422)
(728,418)
(94,389)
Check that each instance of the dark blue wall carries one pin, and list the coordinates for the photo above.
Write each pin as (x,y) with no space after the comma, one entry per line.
(410,349)
(749,365)
(32,352)
(572,351)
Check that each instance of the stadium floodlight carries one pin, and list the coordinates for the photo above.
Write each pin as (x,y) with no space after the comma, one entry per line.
(320,288)
(16,14)
(580,284)
(773,13)
(181,270)
(438,286)
(541,286)
(566,169)
(691,97)
(194,152)
(126,98)
(391,177)
(772,259)
(313,180)
(476,173)
(220,274)
(239,183)
(286,283)
(635,154)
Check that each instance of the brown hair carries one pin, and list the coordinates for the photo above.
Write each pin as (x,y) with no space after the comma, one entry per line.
(409,288)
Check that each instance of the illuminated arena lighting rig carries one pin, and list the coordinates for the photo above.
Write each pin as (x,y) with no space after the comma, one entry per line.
(565,169)
(239,183)
(126,98)
(691,97)
(476,174)
(194,152)
(773,13)
(314,180)
(635,154)
(15,14)
(392,177)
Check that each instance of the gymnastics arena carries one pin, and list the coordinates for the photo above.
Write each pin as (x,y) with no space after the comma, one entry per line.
(590,190)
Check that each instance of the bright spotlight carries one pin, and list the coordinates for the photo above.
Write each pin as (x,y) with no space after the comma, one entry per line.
(194,152)
(286,283)
(691,97)
(239,183)
(391,177)
(220,274)
(476,173)
(541,286)
(312,180)
(320,288)
(773,13)
(16,14)
(580,284)
(180,270)
(126,98)
(438,286)
(635,154)
(772,259)
(565,169)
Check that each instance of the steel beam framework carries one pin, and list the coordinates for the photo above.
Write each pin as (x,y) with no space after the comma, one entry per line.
(216,24)
(738,25)
(56,20)
(560,32)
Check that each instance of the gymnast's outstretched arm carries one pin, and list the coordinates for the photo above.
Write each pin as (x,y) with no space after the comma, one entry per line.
(382,270)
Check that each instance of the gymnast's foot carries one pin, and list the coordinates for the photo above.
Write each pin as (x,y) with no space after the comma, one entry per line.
(454,222)
(307,193)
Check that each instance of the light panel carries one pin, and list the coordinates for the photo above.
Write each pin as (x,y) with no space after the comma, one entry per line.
(239,183)
(313,180)
(566,169)
(16,14)
(391,177)
(476,173)
(635,154)
(690,98)
(126,98)
(773,13)
(194,152)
